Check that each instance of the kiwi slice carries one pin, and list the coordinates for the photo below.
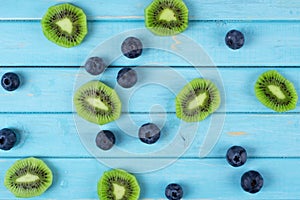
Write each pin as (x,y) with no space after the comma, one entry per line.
(197,100)
(65,25)
(118,184)
(166,17)
(28,178)
(97,103)
(275,91)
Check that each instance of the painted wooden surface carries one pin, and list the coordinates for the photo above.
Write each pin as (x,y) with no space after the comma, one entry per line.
(48,85)
(201,179)
(199,9)
(268,44)
(41,110)
(264,135)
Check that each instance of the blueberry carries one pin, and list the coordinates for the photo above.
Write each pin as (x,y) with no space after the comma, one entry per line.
(95,65)
(132,47)
(236,156)
(105,140)
(127,77)
(174,191)
(234,39)
(10,81)
(252,181)
(7,139)
(149,133)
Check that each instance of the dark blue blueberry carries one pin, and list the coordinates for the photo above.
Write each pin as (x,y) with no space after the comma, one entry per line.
(105,140)
(132,47)
(7,139)
(252,181)
(174,191)
(10,81)
(149,133)
(234,39)
(127,77)
(236,156)
(95,65)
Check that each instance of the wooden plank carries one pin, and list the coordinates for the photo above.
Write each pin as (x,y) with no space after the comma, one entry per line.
(58,135)
(200,179)
(267,44)
(199,10)
(51,90)
(41,110)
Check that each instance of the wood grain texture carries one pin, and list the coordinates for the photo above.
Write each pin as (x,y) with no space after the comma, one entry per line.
(200,178)
(266,44)
(122,10)
(51,90)
(41,112)
(55,135)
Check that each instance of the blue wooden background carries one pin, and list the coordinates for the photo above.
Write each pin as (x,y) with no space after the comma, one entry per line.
(41,109)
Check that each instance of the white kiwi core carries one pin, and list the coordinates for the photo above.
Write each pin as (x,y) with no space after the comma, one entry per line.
(167,15)
(65,24)
(27,178)
(97,103)
(276,91)
(197,101)
(119,191)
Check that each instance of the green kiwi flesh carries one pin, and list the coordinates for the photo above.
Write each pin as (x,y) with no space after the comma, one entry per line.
(118,184)
(97,103)
(275,91)
(65,25)
(166,17)
(28,178)
(197,100)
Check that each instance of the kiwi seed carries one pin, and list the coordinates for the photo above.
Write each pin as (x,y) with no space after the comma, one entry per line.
(97,103)
(275,91)
(28,178)
(118,184)
(197,100)
(166,17)
(65,25)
